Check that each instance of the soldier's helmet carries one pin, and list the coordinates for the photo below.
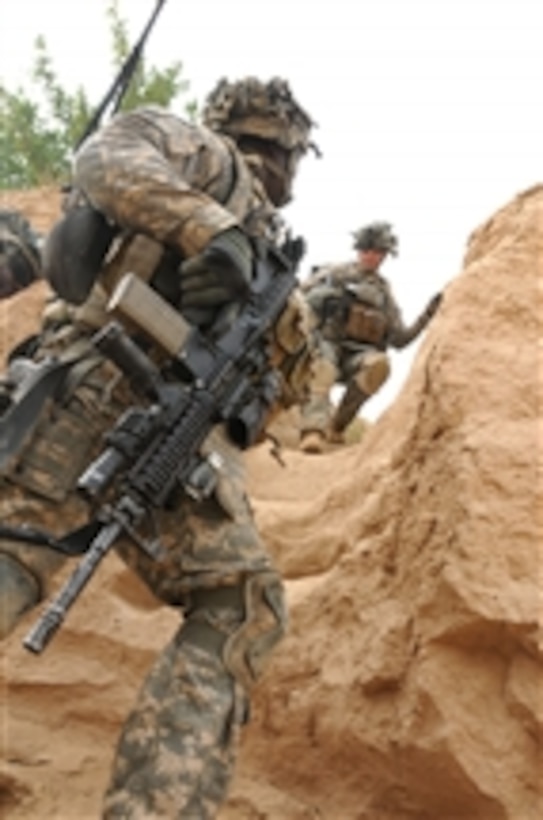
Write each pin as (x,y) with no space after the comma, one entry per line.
(20,257)
(377,236)
(263,118)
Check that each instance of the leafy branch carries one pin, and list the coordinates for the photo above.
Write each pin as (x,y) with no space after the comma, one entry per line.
(40,129)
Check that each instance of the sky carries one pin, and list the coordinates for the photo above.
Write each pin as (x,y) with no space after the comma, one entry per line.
(429,112)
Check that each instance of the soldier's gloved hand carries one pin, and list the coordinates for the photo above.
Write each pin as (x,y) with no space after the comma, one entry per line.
(433,305)
(220,274)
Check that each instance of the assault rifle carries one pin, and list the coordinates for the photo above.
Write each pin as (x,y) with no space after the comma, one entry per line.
(153,450)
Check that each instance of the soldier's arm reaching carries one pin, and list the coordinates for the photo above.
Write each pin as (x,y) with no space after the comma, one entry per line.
(401,335)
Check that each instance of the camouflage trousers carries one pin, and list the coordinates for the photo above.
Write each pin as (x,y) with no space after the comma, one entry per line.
(177,749)
(363,369)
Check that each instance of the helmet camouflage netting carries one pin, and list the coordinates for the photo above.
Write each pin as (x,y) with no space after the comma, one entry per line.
(376,236)
(253,108)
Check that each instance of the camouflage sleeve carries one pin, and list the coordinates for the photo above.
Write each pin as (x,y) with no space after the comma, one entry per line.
(154,173)
(399,334)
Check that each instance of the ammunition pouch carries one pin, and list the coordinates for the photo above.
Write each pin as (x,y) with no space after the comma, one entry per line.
(57,454)
(365,324)
(49,432)
(75,250)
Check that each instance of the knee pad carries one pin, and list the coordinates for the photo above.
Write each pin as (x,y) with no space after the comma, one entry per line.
(373,372)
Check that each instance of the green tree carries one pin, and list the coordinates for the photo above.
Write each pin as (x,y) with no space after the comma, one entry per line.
(40,130)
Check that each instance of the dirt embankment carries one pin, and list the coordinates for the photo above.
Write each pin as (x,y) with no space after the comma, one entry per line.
(410,684)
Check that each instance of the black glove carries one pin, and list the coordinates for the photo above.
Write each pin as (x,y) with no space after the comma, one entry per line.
(220,274)
(433,305)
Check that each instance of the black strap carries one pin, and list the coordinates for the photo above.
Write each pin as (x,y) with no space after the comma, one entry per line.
(73,543)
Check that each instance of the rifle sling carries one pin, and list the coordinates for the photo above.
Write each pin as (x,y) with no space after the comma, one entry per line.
(74,543)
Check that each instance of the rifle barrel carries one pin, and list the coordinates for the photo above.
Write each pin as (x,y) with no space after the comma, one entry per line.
(53,616)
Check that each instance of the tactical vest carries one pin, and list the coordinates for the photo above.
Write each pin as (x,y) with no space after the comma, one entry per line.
(365,311)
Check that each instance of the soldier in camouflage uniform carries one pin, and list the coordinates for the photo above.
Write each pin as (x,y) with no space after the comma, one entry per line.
(186,201)
(20,261)
(357,320)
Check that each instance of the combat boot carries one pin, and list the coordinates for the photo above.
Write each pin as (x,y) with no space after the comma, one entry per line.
(313,441)
(346,412)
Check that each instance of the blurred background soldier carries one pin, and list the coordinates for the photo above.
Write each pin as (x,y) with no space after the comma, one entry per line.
(357,320)
(183,206)
(19,253)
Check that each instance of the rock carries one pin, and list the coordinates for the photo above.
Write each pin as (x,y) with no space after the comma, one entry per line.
(410,683)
